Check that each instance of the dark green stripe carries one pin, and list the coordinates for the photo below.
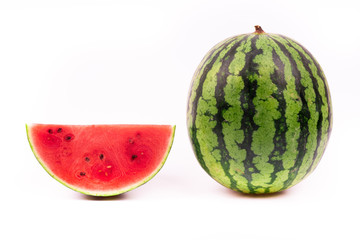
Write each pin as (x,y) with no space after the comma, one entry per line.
(303,118)
(207,68)
(326,106)
(222,106)
(246,99)
(195,102)
(327,93)
(278,79)
(199,71)
(323,125)
(321,74)
(318,104)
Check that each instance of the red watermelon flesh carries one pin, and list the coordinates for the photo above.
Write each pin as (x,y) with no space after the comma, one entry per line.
(101,160)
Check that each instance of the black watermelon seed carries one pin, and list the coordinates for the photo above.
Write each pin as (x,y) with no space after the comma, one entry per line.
(69,137)
(133,157)
(87,159)
(50,131)
(59,130)
(101,156)
(82,173)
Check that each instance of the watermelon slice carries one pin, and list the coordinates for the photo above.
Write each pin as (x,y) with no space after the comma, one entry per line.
(101,160)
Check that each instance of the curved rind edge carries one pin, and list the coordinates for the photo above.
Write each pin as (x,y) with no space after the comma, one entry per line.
(105,193)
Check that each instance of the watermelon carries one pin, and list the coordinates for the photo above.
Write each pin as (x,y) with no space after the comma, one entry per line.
(101,160)
(259,112)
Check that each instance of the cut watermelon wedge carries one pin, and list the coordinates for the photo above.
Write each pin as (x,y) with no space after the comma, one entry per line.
(101,160)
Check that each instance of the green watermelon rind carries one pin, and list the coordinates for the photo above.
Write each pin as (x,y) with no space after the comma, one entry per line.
(104,193)
(259,113)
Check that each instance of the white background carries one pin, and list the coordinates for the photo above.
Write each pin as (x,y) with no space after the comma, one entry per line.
(132,62)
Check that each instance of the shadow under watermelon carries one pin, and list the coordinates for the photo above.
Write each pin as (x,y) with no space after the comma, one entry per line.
(120,197)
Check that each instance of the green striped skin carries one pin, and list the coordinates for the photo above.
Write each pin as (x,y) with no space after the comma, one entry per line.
(259,113)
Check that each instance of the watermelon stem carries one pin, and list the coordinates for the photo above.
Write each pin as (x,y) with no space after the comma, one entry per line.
(258,29)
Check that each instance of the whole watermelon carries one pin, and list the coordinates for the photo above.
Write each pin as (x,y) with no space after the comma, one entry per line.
(259,112)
